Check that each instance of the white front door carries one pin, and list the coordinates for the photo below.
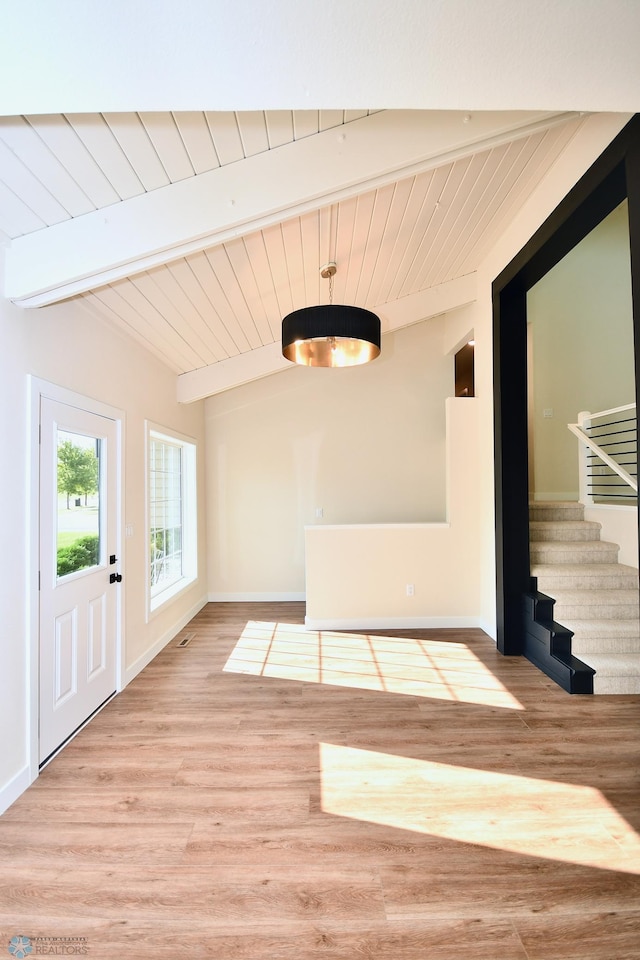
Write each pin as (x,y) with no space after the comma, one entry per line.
(79,579)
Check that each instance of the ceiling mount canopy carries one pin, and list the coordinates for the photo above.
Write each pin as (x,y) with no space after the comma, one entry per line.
(330,335)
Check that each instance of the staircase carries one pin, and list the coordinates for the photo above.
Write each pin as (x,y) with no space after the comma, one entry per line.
(596,598)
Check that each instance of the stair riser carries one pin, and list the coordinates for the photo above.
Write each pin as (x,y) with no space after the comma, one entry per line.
(549,583)
(565,534)
(600,611)
(553,513)
(616,685)
(605,645)
(553,554)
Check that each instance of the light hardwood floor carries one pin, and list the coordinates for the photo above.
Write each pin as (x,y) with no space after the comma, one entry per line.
(264,793)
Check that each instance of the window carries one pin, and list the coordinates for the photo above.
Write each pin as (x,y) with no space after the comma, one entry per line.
(171,515)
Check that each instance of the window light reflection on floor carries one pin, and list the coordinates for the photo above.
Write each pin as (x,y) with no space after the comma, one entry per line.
(437,669)
(573,823)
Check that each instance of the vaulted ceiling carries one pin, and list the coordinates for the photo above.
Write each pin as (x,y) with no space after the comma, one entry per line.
(196,232)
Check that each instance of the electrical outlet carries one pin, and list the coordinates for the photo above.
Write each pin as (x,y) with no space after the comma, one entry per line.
(410,589)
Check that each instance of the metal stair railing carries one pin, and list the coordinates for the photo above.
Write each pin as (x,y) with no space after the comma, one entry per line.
(608,455)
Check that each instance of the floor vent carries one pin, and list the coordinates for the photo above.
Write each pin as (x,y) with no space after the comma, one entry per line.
(186,640)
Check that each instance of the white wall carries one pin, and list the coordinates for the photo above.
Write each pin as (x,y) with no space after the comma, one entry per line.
(252,55)
(365,444)
(357,575)
(67,346)
(582,334)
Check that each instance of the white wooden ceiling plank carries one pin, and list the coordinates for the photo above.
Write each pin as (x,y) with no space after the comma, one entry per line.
(97,137)
(232,307)
(474,204)
(231,201)
(274,246)
(253,132)
(130,133)
(257,254)
(451,228)
(65,144)
(168,144)
(30,149)
(292,242)
(148,285)
(196,137)
(201,268)
(129,304)
(243,271)
(204,318)
(548,146)
(329,119)
(429,193)
(22,182)
(383,199)
(279,127)
(137,293)
(434,214)
(344,243)
(406,241)
(305,123)
(401,193)
(509,168)
(361,229)
(441,219)
(225,136)
(177,308)
(310,241)
(96,302)
(16,218)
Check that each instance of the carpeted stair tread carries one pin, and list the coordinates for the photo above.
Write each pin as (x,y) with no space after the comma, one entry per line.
(574,551)
(541,530)
(596,576)
(616,673)
(614,664)
(603,628)
(596,604)
(555,510)
(604,636)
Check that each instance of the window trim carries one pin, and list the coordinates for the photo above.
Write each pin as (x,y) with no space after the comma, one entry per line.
(189,518)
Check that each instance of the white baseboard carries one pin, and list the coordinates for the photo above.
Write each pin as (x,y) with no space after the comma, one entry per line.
(489,628)
(12,790)
(160,644)
(392,623)
(256,597)
(555,495)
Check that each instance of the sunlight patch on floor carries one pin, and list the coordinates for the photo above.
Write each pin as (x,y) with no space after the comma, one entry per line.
(420,668)
(539,818)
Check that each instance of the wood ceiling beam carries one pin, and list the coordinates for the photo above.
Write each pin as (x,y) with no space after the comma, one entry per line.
(233,372)
(89,251)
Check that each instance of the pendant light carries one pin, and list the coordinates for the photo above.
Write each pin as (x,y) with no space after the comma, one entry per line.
(330,335)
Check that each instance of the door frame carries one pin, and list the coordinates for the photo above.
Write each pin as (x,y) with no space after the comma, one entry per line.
(614,176)
(37,390)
